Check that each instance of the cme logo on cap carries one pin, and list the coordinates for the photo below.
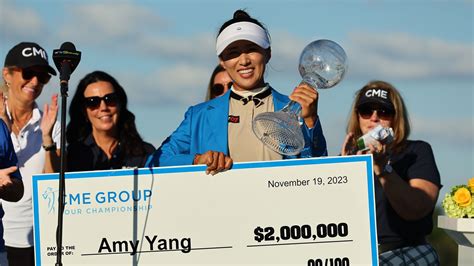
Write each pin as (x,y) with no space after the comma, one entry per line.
(33,51)
(374,92)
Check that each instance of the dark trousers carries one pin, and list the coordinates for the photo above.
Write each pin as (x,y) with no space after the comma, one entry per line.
(20,256)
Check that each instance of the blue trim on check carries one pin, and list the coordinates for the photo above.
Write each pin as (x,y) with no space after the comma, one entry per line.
(197,168)
(372,211)
(36,222)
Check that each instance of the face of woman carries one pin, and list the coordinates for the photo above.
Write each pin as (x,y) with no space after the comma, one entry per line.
(101,106)
(245,63)
(25,85)
(222,79)
(372,115)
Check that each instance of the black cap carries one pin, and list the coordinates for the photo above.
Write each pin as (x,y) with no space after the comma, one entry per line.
(28,54)
(376,96)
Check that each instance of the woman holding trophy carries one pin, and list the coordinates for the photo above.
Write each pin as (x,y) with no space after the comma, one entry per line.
(219,132)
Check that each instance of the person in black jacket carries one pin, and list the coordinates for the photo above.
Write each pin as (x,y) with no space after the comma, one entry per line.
(407,181)
(101,133)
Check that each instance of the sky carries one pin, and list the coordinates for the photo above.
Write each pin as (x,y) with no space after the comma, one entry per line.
(163,52)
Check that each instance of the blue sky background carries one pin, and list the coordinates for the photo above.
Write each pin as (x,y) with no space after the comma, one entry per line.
(162,52)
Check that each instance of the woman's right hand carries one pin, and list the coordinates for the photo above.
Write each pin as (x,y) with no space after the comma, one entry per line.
(216,161)
(5,179)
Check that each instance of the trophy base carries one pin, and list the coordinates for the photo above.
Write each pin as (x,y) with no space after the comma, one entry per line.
(280,131)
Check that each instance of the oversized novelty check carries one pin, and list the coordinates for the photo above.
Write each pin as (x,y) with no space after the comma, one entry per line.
(317,211)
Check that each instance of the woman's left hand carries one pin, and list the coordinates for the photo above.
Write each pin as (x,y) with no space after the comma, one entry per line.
(347,148)
(307,97)
(50,113)
(3,111)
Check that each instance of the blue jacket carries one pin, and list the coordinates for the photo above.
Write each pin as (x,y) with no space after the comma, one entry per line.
(205,127)
(7,159)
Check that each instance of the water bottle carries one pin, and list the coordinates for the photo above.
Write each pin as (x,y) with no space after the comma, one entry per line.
(381,134)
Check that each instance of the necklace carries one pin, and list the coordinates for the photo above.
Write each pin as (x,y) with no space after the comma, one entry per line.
(16,127)
(15,123)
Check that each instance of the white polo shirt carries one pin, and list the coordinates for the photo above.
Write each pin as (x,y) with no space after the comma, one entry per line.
(244,146)
(18,218)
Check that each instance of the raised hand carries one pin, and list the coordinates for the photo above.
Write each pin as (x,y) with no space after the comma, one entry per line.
(347,146)
(11,189)
(5,173)
(50,113)
(3,111)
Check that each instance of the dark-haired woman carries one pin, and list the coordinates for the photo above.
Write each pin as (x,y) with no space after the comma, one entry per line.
(407,181)
(219,83)
(101,132)
(219,131)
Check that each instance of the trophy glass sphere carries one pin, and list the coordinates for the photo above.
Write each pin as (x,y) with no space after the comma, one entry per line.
(322,65)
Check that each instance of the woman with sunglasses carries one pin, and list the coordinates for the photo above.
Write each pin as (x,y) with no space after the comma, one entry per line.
(219,83)
(35,136)
(101,132)
(407,181)
(219,131)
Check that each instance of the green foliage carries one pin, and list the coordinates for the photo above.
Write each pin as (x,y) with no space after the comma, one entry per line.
(453,206)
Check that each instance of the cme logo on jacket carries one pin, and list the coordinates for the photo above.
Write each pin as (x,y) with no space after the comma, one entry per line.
(234,119)
(33,51)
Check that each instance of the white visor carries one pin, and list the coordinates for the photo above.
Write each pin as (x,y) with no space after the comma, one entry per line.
(242,31)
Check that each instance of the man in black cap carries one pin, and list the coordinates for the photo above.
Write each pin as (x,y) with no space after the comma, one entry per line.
(34,134)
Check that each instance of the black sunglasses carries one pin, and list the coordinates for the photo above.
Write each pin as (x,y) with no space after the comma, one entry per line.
(93,102)
(28,74)
(218,89)
(366,112)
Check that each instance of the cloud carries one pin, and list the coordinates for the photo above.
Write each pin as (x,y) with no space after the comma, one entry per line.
(408,57)
(120,34)
(136,29)
(391,56)
(286,49)
(197,47)
(186,63)
(110,22)
(181,84)
(19,22)
(459,136)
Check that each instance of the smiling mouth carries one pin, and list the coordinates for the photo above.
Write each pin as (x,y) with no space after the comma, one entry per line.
(245,71)
(29,90)
(105,117)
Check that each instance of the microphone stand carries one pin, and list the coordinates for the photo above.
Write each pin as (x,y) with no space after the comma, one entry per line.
(64,79)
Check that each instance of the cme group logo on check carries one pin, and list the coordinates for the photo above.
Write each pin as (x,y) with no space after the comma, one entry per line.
(98,202)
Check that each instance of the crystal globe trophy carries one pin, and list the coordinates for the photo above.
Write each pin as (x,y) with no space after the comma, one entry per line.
(322,65)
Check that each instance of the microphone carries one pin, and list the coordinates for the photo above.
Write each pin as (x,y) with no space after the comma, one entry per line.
(66,59)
